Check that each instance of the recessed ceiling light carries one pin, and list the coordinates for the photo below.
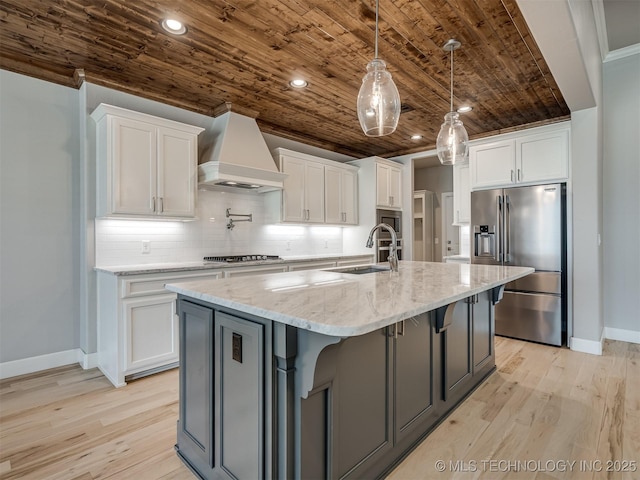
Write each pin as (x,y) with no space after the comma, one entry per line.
(416,137)
(173,26)
(465,109)
(298,83)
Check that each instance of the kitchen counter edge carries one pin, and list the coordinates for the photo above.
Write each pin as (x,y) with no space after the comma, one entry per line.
(191,266)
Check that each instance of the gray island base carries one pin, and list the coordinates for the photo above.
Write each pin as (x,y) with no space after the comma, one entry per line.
(329,375)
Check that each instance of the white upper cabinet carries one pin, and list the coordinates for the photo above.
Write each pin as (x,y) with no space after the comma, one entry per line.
(461,194)
(340,195)
(492,164)
(543,157)
(388,186)
(317,190)
(146,166)
(523,159)
(303,194)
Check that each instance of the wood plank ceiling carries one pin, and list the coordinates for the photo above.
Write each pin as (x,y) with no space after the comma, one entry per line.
(246,51)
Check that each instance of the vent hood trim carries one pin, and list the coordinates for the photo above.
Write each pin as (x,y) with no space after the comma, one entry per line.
(213,174)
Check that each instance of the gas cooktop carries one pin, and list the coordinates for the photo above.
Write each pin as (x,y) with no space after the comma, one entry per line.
(241,258)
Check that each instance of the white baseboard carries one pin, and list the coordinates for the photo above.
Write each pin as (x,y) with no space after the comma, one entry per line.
(44,362)
(594,347)
(630,336)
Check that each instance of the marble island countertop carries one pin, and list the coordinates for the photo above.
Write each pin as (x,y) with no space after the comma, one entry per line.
(343,304)
(201,265)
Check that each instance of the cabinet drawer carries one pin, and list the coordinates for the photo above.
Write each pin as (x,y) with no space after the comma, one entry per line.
(311,266)
(248,271)
(155,285)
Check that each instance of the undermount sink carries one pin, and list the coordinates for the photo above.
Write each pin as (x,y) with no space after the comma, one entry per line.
(361,269)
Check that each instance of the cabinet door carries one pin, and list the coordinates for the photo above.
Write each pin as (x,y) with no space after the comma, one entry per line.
(482,331)
(414,402)
(361,399)
(461,195)
(543,157)
(457,354)
(133,173)
(340,196)
(314,192)
(293,194)
(382,185)
(350,197)
(240,397)
(195,416)
(492,164)
(177,160)
(333,212)
(395,188)
(150,332)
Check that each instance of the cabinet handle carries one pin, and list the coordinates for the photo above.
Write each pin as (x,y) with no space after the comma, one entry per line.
(512,175)
(308,215)
(161,204)
(153,204)
(400,328)
(518,174)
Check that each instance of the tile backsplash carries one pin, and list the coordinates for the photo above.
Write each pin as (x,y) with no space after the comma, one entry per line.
(119,242)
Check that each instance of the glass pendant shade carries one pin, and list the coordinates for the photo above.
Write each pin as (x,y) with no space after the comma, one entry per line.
(378,101)
(452,144)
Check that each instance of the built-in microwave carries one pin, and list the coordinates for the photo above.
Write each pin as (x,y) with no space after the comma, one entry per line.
(392,218)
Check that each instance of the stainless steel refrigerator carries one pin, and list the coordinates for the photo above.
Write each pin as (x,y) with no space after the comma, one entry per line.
(525,226)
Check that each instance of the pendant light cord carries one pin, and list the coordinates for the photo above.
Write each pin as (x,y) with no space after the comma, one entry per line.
(377,8)
(451,80)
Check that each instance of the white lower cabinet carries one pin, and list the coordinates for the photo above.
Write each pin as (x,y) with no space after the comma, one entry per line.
(137,323)
(150,332)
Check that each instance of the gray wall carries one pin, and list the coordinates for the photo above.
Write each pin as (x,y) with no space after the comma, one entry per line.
(438,180)
(39,230)
(621,185)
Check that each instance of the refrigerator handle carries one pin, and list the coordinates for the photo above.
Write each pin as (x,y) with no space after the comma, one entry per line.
(507,249)
(499,228)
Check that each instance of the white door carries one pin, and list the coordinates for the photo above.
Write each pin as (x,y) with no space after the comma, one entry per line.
(382,185)
(450,233)
(134,159)
(350,197)
(314,192)
(150,332)
(333,195)
(177,158)
(293,207)
(395,188)
(493,164)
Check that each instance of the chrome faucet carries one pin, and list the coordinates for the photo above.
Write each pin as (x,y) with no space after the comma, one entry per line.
(393,248)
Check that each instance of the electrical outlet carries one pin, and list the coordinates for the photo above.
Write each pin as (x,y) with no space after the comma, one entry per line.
(146,246)
(436,240)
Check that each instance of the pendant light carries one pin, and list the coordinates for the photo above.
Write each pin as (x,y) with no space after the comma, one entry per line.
(452,144)
(378,99)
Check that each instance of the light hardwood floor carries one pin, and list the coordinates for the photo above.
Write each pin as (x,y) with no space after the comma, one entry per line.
(542,407)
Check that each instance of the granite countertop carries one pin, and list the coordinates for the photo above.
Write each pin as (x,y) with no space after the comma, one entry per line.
(200,265)
(342,304)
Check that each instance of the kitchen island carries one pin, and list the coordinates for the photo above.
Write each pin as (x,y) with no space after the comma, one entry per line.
(329,374)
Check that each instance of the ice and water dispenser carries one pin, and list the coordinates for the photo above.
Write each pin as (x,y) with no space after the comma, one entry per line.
(484,241)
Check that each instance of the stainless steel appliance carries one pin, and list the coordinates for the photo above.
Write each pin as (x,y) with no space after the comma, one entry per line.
(525,226)
(240,258)
(392,218)
(384,249)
